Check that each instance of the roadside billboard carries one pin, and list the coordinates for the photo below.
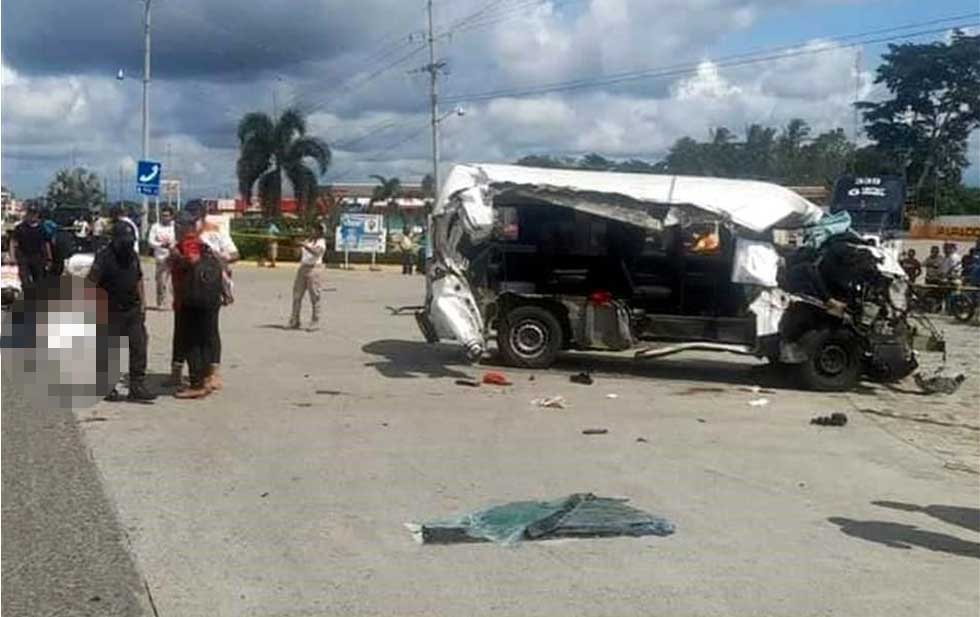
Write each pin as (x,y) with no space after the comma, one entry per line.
(360,233)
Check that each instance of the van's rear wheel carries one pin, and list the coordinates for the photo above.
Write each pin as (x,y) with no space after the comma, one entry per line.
(529,337)
(834,363)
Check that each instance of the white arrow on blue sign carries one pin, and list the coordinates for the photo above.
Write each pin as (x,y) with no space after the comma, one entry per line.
(148,174)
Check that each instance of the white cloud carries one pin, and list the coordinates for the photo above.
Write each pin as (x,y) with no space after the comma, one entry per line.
(371,127)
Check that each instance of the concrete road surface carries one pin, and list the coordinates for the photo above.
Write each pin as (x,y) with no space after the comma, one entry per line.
(64,552)
(286,494)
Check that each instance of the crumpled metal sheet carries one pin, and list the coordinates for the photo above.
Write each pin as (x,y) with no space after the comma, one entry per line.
(757,206)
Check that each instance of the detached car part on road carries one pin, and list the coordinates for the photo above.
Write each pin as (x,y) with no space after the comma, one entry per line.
(550,260)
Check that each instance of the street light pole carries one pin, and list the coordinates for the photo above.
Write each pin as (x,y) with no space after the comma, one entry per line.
(146,104)
(434,101)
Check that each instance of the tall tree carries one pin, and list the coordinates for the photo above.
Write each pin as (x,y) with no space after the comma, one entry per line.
(270,149)
(685,157)
(760,143)
(76,187)
(825,158)
(428,186)
(386,192)
(789,145)
(935,105)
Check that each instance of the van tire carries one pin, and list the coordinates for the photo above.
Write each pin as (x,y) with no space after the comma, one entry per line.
(529,336)
(835,361)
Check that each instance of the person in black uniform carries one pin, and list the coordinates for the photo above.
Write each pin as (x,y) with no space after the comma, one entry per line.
(117,272)
(31,251)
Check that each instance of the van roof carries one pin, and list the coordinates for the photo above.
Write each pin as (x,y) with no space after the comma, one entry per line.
(757,206)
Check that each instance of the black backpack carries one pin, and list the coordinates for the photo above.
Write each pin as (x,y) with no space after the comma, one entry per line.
(203,286)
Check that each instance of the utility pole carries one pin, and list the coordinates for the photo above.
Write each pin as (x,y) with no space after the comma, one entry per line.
(433,68)
(857,94)
(146,103)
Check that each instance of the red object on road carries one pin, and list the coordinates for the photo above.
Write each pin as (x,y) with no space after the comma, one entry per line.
(494,378)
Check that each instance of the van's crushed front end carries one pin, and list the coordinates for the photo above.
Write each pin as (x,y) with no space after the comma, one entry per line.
(451,311)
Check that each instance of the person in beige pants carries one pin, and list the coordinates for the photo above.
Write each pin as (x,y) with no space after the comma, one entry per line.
(308,278)
(161,239)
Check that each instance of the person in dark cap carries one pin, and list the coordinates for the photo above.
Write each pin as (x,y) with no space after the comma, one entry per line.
(30,250)
(116,271)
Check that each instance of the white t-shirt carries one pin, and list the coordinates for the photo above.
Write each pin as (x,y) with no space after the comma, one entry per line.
(161,238)
(951,265)
(220,243)
(314,257)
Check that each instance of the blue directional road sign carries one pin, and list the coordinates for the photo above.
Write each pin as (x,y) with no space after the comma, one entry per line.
(148,175)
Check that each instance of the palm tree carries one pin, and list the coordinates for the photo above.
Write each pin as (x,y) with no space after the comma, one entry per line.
(386,191)
(268,149)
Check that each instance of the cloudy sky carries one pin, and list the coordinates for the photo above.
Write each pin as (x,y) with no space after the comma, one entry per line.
(665,69)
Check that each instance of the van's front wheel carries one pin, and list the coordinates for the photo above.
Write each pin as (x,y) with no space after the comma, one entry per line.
(834,363)
(529,337)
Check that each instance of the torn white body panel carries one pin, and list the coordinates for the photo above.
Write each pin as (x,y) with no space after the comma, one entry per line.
(757,206)
(454,314)
(769,307)
(755,263)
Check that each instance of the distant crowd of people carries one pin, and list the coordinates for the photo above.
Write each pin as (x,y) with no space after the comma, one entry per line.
(943,268)
(192,258)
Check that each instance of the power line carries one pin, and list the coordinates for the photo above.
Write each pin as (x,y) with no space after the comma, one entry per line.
(742,59)
(347,88)
(388,147)
(503,16)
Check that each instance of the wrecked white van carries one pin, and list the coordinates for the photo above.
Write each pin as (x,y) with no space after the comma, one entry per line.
(549,260)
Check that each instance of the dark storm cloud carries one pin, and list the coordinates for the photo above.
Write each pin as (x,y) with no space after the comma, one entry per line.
(218,38)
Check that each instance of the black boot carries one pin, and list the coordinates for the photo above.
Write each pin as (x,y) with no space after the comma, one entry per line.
(139,393)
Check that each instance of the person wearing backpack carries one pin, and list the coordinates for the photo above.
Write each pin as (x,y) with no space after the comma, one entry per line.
(197,282)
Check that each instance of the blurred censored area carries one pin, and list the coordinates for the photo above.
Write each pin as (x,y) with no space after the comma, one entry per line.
(58,347)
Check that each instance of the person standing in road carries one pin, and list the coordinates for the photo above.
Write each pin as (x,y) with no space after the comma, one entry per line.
(933,265)
(116,271)
(161,238)
(911,265)
(196,273)
(55,240)
(407,246)
(969,261)
(116,215)
(223,247)
(308,277)
(30,250)
(273,249)
(950,268)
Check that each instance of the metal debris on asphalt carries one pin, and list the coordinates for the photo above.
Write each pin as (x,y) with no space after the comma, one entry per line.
(595,431)
(835,419)
(581,515)
(759,402)
(551,402)
(582,378)
(939,384)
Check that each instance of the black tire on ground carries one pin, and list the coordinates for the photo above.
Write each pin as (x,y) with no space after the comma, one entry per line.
(835,361)
(529,337)
(962,307)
